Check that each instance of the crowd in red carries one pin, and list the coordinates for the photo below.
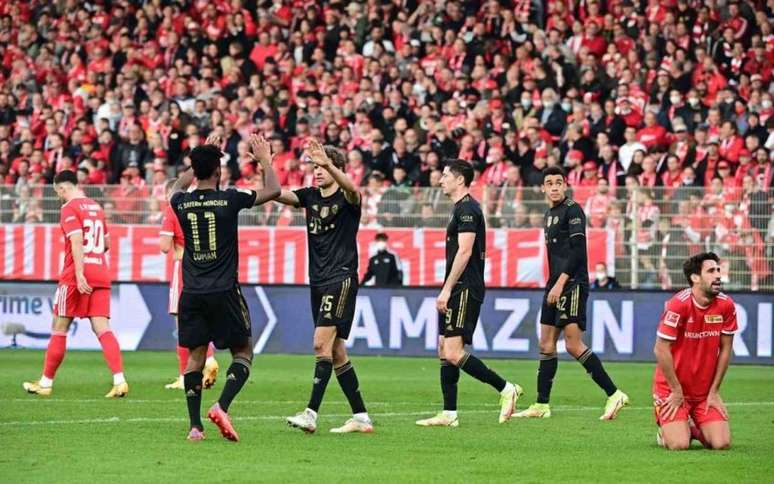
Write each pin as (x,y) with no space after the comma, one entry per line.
(669,99)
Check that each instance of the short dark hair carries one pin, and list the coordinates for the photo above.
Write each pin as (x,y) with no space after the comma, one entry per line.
(461,168)
(381,236)
(205,160)
(554,170)
(66,176)
(693,264)
(336,155)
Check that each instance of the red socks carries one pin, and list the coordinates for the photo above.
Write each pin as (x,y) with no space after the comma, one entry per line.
(55,353)
(182,359)
(111,351)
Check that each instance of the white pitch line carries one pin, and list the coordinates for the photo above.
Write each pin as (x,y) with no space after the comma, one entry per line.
(113,420)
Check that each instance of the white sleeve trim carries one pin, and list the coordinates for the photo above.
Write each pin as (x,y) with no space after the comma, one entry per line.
(581,234)
(728,332)
(72,232)
(164,232)
(665,336)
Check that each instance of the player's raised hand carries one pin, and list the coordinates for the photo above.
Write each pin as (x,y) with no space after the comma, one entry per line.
(213,139)
(317,153)
(260,149)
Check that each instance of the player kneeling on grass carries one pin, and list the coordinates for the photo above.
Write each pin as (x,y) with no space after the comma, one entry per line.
(171,239)
(333,217)
(459,302)
(693,348)
(564,302)
(212,307)
(84,285)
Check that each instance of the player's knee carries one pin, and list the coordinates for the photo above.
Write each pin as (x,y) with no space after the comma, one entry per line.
(678,443)
(339,356)
(60,324)
(453,356)
(322,349)
(547,347)
(720,443)
(575,348)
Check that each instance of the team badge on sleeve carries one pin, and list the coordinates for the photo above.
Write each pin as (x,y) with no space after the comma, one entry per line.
(671,319)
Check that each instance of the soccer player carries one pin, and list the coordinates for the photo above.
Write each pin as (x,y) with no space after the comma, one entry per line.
(564,303)
(459,302)
(693,348)
(332,221)
(84,285)
(211,306)
(171,239)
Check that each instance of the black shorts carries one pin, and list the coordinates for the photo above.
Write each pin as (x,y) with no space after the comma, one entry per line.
(461,316)
(569,309)
(220,317)
(334,305)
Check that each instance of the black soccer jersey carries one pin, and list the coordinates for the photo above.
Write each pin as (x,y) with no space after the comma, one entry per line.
(331,225)
(467,217)
(562,222)
(209,222)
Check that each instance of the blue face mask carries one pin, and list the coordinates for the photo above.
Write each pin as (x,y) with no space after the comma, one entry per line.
(566,107)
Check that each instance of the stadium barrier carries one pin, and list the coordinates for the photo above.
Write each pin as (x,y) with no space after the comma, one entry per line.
(278,255)
(397,321)
(652,230)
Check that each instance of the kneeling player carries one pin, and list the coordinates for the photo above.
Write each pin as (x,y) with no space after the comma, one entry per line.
(693,348)
(84,285)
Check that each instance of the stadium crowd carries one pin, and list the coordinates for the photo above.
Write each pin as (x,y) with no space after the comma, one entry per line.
(660,110)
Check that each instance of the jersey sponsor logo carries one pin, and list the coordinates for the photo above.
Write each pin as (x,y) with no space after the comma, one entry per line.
(575,221)
(713,318)
(466,218)
(701,334)
(671,319)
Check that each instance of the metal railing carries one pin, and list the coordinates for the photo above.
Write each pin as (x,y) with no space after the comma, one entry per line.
(654,229)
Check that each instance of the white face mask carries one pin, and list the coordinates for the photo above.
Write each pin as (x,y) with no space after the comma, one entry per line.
(526,103)
(601,275)
(674,100)
(766,103)
(381,245)
(693,101)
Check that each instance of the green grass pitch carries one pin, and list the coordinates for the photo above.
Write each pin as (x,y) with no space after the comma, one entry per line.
(78,436)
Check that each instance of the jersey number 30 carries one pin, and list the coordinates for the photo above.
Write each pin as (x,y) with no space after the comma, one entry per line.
(94,237)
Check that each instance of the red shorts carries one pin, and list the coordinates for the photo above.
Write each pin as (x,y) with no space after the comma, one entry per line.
(690,408)
(70,303)
(175,288)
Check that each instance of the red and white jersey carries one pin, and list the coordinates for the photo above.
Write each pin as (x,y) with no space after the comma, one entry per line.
(170,226)
(695,335)
(85,216)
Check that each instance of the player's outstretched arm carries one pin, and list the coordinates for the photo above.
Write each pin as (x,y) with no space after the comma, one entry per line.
(260,150)
(287,197)
(319,158)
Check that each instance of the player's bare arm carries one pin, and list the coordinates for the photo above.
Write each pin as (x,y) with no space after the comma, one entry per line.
(724,358)
(287,197)
(461,258)
(260,151)
(76,242)
(183,182)
(319,158)
(664,360)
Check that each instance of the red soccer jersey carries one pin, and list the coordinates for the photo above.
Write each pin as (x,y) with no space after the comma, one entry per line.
(84,215)
(170,226)
(695,335)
